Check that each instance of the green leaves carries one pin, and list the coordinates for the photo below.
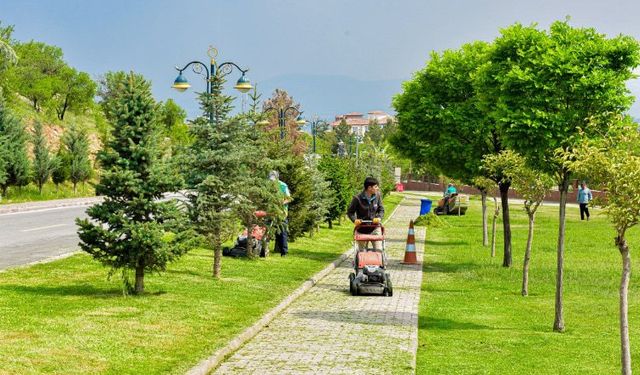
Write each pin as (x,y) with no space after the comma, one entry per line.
(129,229)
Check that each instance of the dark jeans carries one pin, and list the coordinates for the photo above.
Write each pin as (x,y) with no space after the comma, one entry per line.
(584,209)
(282,245)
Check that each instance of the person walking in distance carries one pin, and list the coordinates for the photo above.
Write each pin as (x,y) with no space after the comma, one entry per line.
(367,206)
(282,244)
(584,197)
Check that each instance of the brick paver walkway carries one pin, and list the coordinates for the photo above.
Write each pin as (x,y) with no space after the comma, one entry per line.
(328,331)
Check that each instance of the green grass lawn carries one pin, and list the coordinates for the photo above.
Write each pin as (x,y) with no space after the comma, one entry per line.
(473,319)
(30,192)
(65,317)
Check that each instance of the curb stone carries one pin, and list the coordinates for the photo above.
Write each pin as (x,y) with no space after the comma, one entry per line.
(44,205)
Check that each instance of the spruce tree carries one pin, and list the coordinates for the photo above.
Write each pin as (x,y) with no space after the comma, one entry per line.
(76,143)
(16,159)
(226,171)
(61,174)
(131,229)
(43,163)
(323,196)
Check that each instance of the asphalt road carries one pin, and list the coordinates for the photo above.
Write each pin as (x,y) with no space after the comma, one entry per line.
(31,236)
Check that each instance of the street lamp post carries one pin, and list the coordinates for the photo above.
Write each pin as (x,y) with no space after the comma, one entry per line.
(181,84)
(314,130)
(282,117)
(358,141)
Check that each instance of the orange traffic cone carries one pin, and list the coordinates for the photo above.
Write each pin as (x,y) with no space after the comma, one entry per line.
(410,251)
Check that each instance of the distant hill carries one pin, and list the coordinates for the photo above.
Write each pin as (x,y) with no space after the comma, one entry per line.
(327,96)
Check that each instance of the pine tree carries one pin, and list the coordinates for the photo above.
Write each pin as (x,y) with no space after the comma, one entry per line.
(76,143)
(226,169)
(336,170)
(43,163)
(131,229)
(322,198)
(216,106)
(61,174)
(16,159)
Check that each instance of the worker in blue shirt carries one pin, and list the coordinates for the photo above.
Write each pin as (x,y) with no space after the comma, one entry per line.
(584,196)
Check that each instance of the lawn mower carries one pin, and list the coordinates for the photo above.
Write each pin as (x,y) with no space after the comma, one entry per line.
(370,275)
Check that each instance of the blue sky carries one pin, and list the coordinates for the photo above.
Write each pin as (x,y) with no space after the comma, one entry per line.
(333,55)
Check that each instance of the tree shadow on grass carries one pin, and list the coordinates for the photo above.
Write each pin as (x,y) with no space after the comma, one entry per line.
(454,243)
(431,323)
(448,267)
(325,256)
(202,273)
(83,290)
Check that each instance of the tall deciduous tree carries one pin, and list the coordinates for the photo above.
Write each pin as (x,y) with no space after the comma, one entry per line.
(72,91)
(131,229)
(280,99)
(614,164)
(374,134)
(172,117)
(442,122)
(37,73)
(43,162)
(550,90)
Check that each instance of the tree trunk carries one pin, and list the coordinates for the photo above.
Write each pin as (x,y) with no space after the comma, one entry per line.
(75,187)
(558,323)
(527,256)
(330,223)
(496,212)
(506,225)
(250,250)
(625,352)
(139,288)
(217,256)
(485,230)
(64,108)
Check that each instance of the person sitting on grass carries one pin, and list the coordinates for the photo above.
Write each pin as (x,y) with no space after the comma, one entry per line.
(367,206)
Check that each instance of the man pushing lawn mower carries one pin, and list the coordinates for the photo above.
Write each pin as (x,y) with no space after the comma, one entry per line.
(366,212)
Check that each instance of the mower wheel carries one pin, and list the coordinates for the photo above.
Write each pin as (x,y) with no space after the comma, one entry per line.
(389,288)
(353,288)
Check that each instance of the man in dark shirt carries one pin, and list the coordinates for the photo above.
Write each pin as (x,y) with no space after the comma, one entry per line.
(367,206)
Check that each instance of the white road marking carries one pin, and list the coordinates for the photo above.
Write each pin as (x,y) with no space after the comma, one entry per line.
(47,227)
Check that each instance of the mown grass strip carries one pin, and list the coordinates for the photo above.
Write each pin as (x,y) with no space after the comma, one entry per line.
(473,319)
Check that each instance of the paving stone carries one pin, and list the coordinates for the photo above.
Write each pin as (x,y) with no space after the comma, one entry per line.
(328,331)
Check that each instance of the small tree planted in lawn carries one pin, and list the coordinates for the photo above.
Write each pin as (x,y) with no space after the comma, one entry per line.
(615,165)
(532,185)
(131,229)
